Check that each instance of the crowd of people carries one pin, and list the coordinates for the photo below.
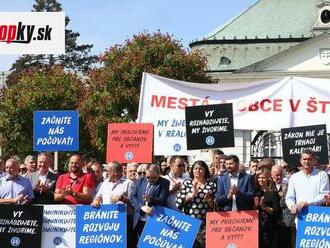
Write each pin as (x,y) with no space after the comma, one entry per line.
(278,192)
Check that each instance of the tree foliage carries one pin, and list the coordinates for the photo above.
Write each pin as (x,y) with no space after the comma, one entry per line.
(114,89)
(76,57)
(47,89)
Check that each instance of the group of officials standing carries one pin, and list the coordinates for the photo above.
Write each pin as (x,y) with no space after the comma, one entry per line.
(193,190)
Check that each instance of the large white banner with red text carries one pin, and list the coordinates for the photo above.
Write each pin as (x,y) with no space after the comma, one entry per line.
(264,105)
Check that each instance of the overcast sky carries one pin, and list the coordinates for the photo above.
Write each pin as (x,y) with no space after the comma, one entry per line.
(104,23)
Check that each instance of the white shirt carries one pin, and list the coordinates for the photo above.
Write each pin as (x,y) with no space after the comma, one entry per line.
(109,189)
(171,200)
(43,178)
(233,181)
(307,188)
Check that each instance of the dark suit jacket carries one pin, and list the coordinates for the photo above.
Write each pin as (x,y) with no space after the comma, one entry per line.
(158,195)
(46,197)
(244,198)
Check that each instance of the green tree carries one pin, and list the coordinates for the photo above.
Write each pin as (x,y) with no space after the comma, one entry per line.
(76,57)
(114,88)
(51,89)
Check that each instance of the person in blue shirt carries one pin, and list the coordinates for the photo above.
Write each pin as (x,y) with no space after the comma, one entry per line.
(15,189)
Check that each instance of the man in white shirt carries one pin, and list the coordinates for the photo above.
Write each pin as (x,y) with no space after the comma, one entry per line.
(308,186)
(175,176)
(116,189)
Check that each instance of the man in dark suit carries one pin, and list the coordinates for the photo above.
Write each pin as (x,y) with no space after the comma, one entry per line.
(43,180)
(234,189)
(148,191)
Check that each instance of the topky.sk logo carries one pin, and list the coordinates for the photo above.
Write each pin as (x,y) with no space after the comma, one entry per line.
(32,32)
(21,33)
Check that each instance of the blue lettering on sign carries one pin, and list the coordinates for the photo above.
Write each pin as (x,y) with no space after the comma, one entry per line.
(177,147)
(129,155)
(15,241)
(57,241)
(210,140)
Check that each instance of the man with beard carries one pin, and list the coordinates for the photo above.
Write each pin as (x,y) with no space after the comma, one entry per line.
(74,187)
(234,189)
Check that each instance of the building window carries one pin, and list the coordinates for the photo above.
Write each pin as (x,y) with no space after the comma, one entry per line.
(325,16)
(224,61)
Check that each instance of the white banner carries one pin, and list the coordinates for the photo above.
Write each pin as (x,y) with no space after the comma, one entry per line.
(32,33)
(265,105)
(59,227)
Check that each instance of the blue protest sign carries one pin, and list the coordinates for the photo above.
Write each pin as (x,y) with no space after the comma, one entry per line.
(56,131)
(169,228)
(101,227)
(314,227)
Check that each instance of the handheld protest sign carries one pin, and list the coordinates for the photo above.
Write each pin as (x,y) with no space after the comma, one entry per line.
(56,130)
(169,228)
(232,229)
(313,227)
(210,126)
(297,139)
(101,227)
(21,226)
(59,226)
(130,142)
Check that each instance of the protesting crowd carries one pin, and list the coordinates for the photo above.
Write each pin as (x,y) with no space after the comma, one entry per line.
(278,192)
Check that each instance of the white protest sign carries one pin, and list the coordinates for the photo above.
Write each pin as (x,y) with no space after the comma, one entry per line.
(266,105)
(59,227)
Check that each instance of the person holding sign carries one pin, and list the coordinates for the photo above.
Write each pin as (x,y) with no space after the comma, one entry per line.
(234,190)
(74,187)
(308,186)
(148,191)
(116,189)
(196,196)
(15,189)
(267,202)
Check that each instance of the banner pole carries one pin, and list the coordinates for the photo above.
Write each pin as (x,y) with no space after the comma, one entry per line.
(56,161)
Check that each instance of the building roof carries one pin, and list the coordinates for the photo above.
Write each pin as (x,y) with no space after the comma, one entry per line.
(239,55)
(303,53)
(271,19)
(265,29)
